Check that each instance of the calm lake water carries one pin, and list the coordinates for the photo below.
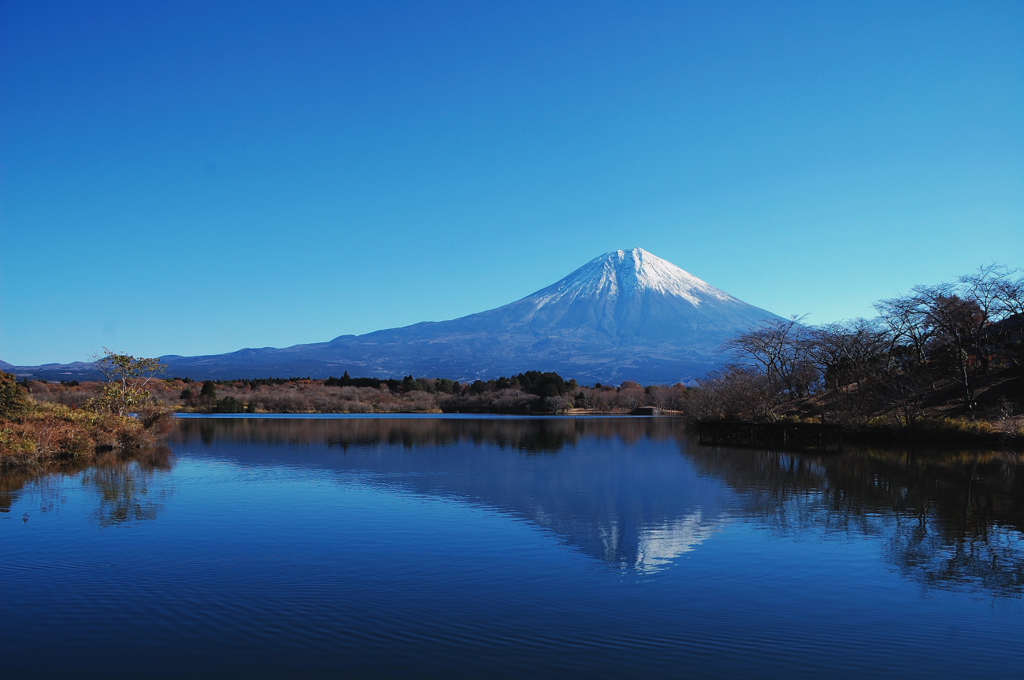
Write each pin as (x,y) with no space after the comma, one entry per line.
(503,547)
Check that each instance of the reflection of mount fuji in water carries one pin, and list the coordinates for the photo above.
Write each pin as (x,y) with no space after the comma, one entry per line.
(617,490)
(637,494)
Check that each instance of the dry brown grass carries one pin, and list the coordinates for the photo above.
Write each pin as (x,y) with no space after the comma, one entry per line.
(49,432)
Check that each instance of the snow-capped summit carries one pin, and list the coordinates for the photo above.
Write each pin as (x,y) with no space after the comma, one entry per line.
(630,303)
(629,272)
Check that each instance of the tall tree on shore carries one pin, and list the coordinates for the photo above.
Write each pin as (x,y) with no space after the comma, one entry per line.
(1010,304)
(778,349)
(126,379)
(908,326)
(956,321)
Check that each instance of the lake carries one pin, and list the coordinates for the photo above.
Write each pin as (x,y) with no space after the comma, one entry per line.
(510,547)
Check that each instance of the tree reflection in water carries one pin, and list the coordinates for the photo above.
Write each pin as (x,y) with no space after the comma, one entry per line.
(947,519)
(537,435)
(124,484)
(125,488)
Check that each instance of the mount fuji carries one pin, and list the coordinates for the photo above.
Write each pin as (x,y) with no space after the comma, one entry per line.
(626,315)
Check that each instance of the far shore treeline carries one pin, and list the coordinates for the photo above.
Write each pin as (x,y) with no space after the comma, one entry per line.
(531,392)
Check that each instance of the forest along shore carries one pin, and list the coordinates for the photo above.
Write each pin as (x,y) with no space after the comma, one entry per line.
(532,392)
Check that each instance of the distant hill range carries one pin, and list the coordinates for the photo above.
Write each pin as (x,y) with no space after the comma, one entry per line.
(626,315)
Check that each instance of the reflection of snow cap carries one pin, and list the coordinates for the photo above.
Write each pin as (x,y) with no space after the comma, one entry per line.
(660,544)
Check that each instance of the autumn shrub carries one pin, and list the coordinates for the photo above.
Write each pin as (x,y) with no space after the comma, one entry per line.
(157,422)
(17,445)
(358,407)
(287,402)
(47,432)
(75,398)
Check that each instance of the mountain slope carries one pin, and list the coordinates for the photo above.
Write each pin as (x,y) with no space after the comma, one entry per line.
(626,315)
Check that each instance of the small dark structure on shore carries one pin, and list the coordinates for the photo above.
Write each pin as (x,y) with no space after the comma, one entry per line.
(783,436)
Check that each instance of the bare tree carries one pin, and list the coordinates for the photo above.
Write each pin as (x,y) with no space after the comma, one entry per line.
(957,321)
(629,395)
(848,352)
(1010,305)
(742,392)
(918,343)
(777,349)
(908,323)
(905,389)
(850,355)
(983,288)
(660,396)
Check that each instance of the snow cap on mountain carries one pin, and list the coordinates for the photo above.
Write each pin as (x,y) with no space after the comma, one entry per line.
(624,273)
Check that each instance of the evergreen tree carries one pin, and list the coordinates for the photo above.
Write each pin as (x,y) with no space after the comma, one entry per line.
(12,398)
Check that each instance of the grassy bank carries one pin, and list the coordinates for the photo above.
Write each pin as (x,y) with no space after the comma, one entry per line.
(941,431)
(886,431)
(36,433)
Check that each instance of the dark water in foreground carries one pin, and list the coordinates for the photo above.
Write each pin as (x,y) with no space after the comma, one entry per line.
(509,548)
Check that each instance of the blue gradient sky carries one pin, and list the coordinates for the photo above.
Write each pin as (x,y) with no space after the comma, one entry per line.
(199,177)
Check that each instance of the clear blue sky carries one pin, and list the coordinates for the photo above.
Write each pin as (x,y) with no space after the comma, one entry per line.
(199,177)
